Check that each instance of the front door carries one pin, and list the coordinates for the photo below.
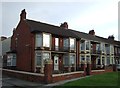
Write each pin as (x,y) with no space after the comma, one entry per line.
(56,63)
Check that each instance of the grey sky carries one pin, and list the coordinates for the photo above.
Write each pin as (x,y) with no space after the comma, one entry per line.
(102,16)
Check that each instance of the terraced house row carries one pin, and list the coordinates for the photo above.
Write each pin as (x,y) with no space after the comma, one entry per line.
(33,43)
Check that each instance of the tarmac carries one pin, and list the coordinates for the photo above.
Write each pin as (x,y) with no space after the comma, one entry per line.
(10,82)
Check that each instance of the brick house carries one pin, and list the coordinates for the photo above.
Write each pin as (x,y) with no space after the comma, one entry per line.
(33,42)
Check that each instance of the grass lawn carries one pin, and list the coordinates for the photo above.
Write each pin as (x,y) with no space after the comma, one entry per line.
(106,80)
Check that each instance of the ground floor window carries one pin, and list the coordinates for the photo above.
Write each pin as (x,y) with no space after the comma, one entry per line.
(82,59)
(98,61)
(38,59)
(66,60)
(11,60)
(41,57)
(108,60)
(69,60)
(72,60)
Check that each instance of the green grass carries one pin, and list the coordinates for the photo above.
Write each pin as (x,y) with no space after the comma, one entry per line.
(102,81)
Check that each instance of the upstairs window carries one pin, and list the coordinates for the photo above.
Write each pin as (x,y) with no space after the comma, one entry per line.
(87,45)
(97,47)
(107,47)
(42,40)
(66,44)
(56,43)
(111,49)
(82,45)
(38,40)
(72,44)
(46,40)
(103,47)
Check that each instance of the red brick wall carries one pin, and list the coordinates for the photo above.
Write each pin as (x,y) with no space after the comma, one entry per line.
(29,77)
(64,77)
(25,47)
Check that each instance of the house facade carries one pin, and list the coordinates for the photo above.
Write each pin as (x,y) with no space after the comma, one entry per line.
(33,43)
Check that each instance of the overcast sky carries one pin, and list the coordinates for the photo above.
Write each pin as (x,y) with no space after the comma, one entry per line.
(85,15)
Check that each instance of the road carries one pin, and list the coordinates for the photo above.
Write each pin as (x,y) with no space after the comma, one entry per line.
(17,83)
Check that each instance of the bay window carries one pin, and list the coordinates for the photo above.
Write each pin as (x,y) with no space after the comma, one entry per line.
(88,59)
(42,40)
(66,60)
(41,57)
(72,60)
(108,60)
(82,58)
(11,60)
(38,59)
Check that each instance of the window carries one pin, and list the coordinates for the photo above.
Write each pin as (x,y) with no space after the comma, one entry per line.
(72,44)
(107,47)
(41,57)
(108,60)
(38,40)
(46,56)
(87,58)
(65,44)
(97,47)
(82,45)
(72,60)
(11,60)
(66,60)
(98,61)
(103,47)
(56,43)
(87,45)
(82,58)
(38,59)
(46,40)
(112,49)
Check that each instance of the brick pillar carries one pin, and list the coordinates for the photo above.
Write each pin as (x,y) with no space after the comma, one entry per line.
(114,67)
(88,69)
(48,71)
(84,68)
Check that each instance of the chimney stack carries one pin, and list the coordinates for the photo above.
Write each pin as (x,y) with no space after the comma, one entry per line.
(23,15)
(111,37)
(64,25)
(92,32)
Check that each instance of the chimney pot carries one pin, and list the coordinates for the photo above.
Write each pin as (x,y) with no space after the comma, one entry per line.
(92,32)
(64,25)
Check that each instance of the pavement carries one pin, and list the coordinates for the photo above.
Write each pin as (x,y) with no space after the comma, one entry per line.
(11,82)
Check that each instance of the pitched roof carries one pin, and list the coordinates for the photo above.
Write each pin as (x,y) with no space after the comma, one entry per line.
(36,26)
(43,27)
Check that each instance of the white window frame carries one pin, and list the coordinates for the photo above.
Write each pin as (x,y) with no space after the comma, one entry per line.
(56,43)
(74,48)
(43,40)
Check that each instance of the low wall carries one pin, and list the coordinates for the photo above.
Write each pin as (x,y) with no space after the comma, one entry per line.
(35,77)
(65,76)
